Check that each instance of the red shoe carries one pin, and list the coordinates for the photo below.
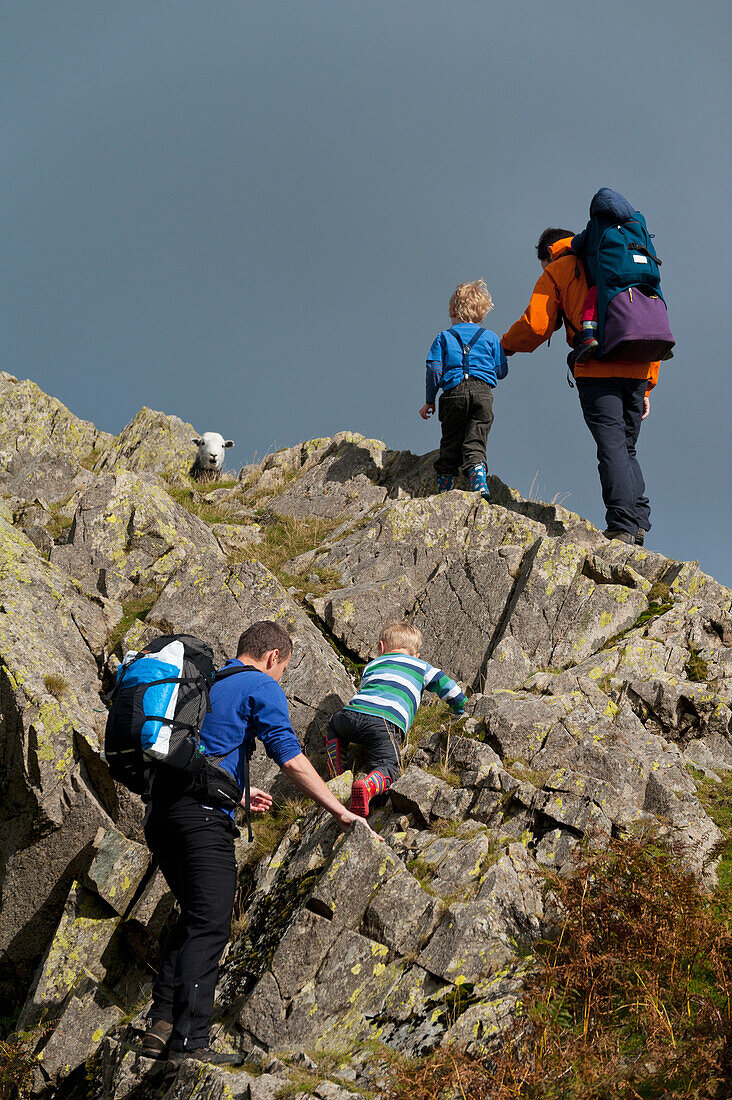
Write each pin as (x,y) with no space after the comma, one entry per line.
(360,798)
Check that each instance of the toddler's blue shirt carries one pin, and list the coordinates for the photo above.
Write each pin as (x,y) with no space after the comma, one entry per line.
(445,360)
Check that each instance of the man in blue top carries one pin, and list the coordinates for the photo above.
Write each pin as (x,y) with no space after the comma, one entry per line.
(466,361)
(194,843)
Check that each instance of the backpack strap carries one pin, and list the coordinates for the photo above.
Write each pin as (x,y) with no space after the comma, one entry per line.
(466,348)
(224,674)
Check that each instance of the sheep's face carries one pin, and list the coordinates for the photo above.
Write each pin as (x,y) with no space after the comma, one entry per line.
(211,451)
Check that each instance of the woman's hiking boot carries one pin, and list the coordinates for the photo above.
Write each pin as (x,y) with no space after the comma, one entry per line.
(156,1038)
(445,482)
(620,536)
(363,790)
(477,480)
(335,754)
(204,1054)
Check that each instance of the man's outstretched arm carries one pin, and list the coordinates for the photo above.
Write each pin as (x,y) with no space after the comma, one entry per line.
(303,775)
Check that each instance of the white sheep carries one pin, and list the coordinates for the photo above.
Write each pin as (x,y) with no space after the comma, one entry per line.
(209,461)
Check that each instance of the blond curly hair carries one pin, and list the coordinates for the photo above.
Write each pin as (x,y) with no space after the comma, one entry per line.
(471,302)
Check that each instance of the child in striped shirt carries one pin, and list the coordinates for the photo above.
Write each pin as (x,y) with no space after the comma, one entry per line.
(379,716)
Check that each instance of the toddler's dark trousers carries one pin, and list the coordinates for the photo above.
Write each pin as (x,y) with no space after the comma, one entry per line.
(380,740)
(195,850)
(466,416)
(612,408)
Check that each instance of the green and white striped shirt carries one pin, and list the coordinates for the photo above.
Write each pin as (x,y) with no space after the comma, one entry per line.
(392,686)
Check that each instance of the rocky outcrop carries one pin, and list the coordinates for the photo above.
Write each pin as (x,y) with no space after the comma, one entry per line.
(128,536)
(33,422)
(152,443)
(600,686)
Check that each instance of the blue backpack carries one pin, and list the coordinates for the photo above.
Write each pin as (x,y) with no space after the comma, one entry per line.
(159,702)
(620,259)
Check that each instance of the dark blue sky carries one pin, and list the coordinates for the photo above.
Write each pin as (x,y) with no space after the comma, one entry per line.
(252,213)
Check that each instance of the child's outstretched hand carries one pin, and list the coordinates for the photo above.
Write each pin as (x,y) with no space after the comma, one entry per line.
(426,411)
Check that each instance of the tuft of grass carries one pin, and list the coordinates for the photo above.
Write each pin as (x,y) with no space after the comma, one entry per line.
(442,770)
(716,798)
(270,828)
(193,499)
(56,684)
(137,608)
(288,538)
(523,772)
(660,600)
(422,871)
(302,1083)
(59,523)
(89,461)
(605,683)
(430,718)
(630,998)
(696,667)
(18,1063)
(445,829)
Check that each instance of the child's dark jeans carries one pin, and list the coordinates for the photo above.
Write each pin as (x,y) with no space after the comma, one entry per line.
(381,740)
(466,416)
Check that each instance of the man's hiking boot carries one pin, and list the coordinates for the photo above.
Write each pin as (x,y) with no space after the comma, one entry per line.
(477,480)
(586,350)
(445,482)
(176,1058)
(620,536)
(640,536)
(156,1038)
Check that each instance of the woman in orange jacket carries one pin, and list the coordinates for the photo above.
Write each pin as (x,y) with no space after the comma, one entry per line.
(615,396)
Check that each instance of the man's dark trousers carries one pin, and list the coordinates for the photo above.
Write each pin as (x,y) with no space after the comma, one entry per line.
(466,416)
(194,847)
(613,408)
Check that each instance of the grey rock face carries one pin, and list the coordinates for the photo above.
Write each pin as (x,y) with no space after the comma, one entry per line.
(33,422)
(343,482)
(598,671)
(54,792)
(128,536)
(152,443)
(218,603)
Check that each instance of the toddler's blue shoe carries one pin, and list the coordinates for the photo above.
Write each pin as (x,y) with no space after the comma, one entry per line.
(445,483)
(477,480)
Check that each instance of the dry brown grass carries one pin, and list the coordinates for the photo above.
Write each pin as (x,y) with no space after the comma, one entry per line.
(631,999)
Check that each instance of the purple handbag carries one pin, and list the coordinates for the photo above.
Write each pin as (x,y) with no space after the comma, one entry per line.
(636,326)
